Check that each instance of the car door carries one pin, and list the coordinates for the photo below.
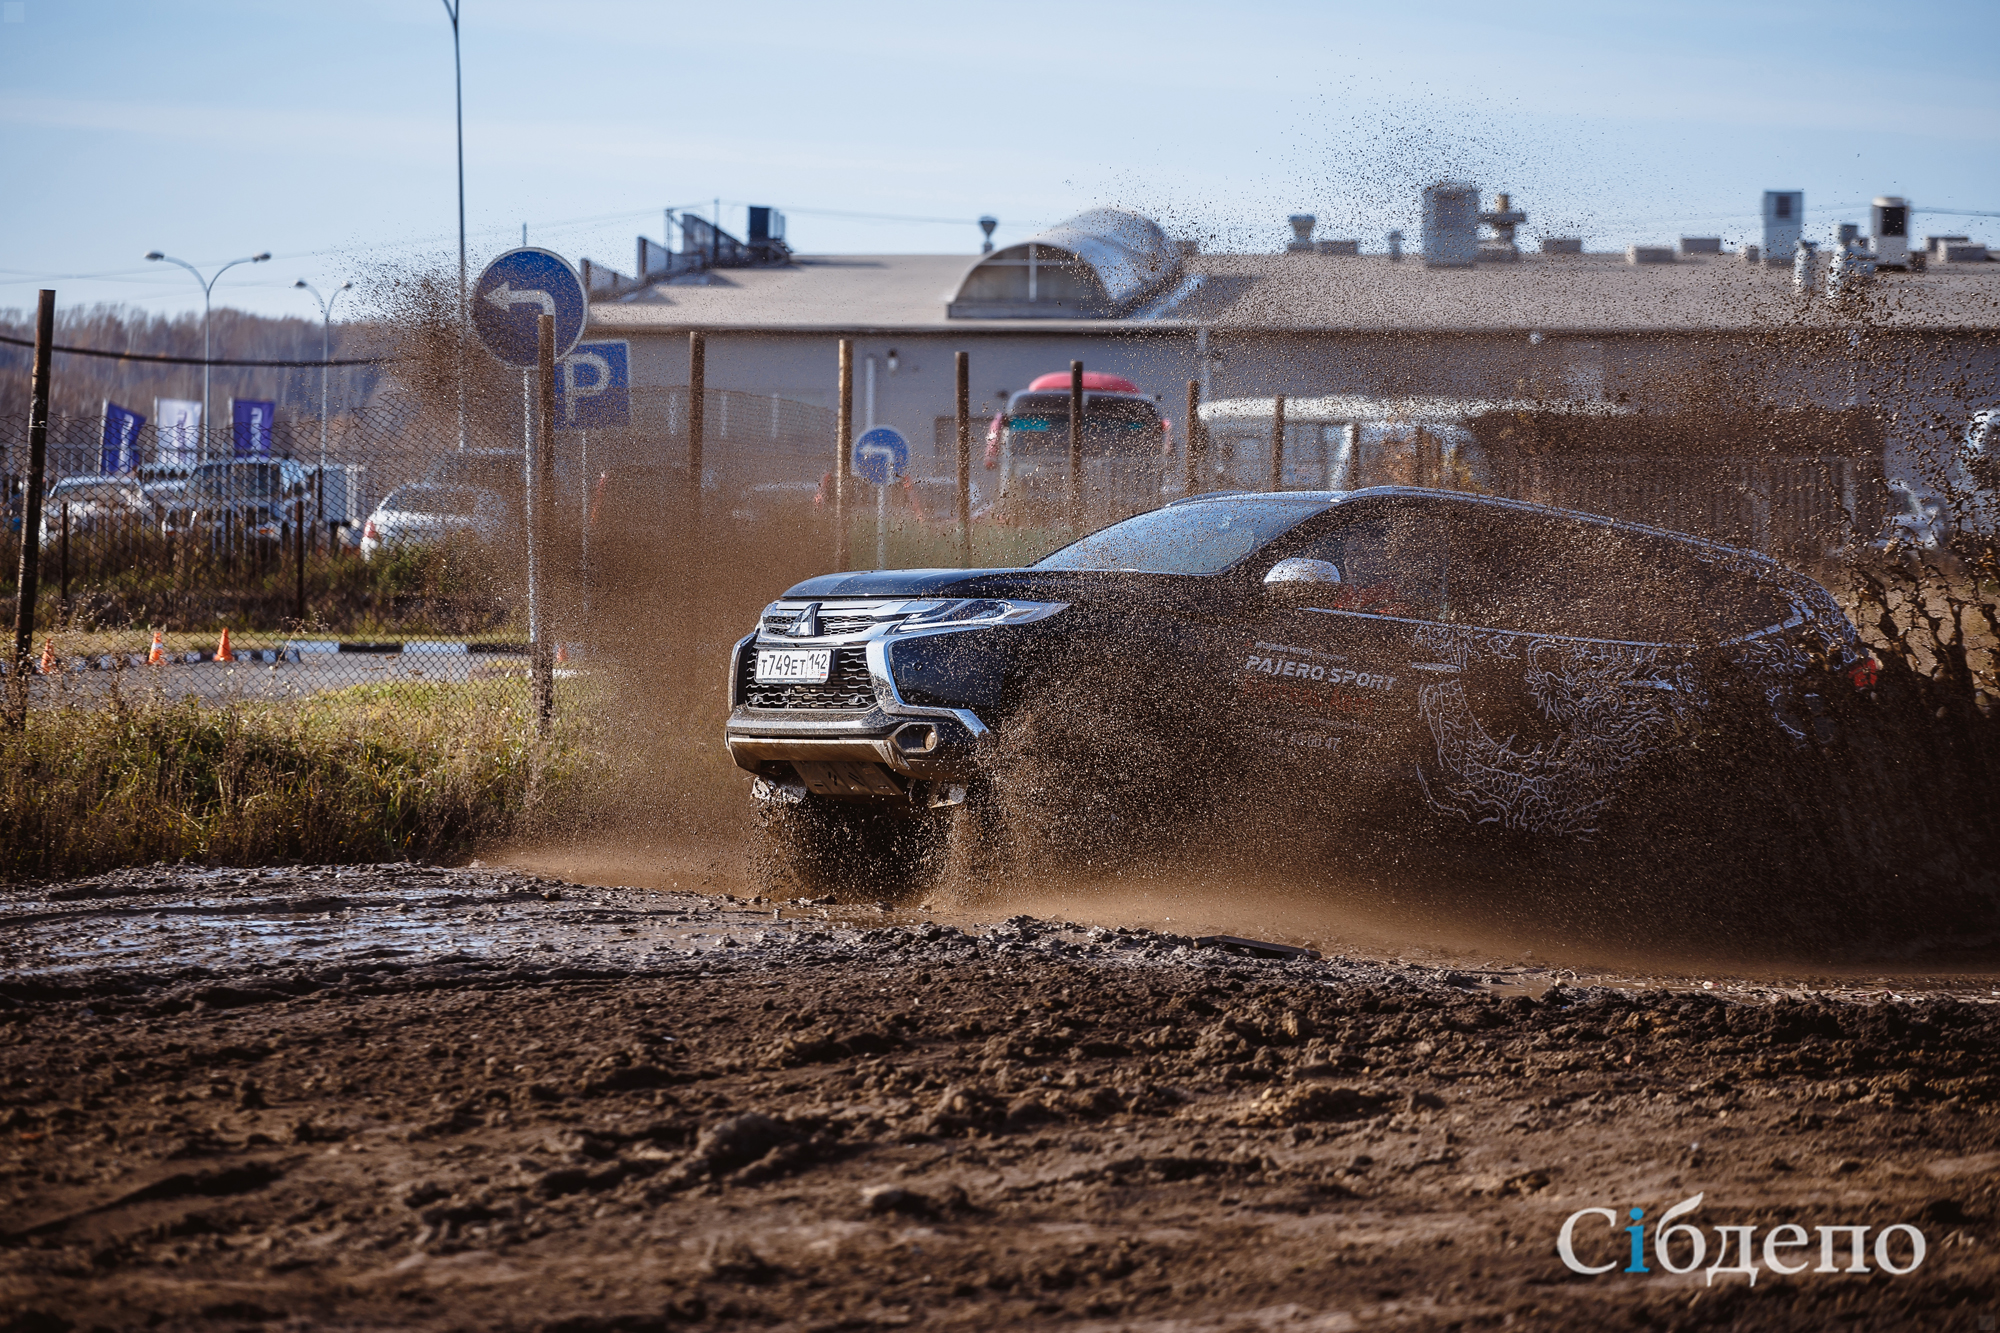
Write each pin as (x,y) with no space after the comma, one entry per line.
(1332,669)
(1569,654)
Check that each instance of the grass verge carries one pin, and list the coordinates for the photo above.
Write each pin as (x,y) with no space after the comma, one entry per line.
(371,773)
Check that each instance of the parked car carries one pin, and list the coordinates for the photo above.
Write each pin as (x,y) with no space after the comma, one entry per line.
(423,512)
(96,503)
(497,470)
(1124,444)
(164,483)
(253,497)
(1497,663)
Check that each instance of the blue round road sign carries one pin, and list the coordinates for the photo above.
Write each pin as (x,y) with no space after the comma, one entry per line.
(515,291)
(881,455)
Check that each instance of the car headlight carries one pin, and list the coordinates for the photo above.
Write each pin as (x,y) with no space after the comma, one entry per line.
(978,611)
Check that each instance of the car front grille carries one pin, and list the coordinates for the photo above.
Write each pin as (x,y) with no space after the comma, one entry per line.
(833,621)
(846,685)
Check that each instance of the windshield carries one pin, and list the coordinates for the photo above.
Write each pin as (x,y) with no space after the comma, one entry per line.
(458,501)
(1205,537)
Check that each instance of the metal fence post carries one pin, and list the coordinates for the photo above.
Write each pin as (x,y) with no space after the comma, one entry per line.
(843,452)
(541,664)
(27,585)
(63,601)
(964,410)
(1076,447)
(1278,443)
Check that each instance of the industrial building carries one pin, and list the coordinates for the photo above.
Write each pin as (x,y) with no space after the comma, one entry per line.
(1774,390)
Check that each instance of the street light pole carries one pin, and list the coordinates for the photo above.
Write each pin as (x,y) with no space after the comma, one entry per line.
(207,289)
(325,353)
(451,8)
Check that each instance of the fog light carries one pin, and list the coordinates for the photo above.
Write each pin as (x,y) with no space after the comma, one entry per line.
(916,738)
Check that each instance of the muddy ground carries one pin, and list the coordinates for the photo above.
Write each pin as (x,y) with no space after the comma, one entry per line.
(407,1097)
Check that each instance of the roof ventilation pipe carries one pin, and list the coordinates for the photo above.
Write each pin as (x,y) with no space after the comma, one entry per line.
(1450,237)
(1503,218)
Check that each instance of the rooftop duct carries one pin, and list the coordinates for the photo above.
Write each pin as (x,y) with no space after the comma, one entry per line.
(1450,236)
(1302,225)
(1889,230)
(1784,222)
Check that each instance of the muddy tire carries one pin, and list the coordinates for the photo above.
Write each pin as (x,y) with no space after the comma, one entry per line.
(853,851)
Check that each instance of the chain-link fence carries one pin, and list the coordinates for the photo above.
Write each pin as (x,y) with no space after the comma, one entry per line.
(388,546)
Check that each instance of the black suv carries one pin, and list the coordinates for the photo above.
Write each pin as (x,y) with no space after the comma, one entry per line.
(1486,660)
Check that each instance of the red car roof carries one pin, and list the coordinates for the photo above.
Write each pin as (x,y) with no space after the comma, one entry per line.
(1092,379)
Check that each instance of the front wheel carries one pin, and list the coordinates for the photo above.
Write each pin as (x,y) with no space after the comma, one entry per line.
(854,851)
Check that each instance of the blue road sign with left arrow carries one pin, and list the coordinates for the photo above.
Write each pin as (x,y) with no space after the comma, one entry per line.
(515,291)
(881,455)
(594,387)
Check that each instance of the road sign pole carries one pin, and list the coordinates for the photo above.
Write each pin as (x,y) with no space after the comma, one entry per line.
(540,451)
(882,526)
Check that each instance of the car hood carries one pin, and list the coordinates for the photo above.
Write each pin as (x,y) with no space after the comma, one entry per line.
(1056,585)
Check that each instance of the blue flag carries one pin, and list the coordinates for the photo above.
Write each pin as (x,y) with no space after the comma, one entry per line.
(121,438)
(253,426)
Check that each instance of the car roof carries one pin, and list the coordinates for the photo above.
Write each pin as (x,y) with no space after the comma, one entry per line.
(1468,499)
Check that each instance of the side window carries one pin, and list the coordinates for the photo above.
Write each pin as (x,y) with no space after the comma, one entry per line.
(1558,576)
(1392,560)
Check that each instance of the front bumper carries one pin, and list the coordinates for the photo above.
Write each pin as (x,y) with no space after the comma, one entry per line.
(890,750)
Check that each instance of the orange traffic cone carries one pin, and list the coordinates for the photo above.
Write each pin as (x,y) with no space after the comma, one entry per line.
(49,657)
(222,653)
(159,651)
(562,652)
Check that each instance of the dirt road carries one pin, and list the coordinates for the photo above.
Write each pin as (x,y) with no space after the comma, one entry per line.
(400,1097)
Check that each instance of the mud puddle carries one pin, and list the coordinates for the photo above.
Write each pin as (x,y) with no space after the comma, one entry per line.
(1362,923)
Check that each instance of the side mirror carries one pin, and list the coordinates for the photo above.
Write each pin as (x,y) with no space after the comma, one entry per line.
(1302,574)
(1299,581)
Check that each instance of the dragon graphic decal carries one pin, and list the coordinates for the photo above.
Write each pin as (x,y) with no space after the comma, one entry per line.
(1606,706)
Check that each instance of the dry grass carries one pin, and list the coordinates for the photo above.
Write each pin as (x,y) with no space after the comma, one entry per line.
(366,774)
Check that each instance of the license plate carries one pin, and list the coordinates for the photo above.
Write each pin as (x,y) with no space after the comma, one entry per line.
(803,666)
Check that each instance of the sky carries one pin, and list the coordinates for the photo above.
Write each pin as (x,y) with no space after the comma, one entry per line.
(323,132)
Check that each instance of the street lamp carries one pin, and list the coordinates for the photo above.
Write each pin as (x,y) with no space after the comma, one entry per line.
(207,287)
(325,353)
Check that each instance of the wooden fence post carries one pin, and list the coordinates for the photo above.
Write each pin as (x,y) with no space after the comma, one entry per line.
(27,585)
(963,405)
(1076,448)
(1278,443)
(843,452)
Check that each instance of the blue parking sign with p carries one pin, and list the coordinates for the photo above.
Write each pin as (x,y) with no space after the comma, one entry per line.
(594,387)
